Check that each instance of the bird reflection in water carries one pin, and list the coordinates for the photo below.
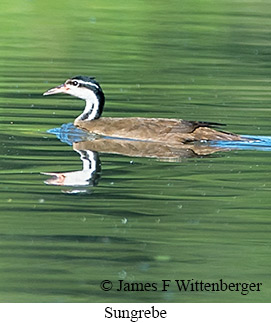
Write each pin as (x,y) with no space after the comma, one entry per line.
(89,175)
(88,146)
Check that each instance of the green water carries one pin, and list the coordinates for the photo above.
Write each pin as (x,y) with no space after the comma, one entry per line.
(146,220)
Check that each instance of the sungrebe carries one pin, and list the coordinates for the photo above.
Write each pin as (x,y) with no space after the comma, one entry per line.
(174,131)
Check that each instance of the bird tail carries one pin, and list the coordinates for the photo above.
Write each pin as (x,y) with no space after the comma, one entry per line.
(208,124)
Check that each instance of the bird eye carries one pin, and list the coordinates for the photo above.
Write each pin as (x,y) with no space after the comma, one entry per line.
(74,83)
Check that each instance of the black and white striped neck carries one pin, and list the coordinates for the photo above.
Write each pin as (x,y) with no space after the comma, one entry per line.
(92,94)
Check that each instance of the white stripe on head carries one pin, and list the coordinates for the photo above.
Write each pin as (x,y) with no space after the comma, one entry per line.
(88,83)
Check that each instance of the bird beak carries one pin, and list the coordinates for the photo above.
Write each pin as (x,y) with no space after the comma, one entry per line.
(57,178)
(59,89)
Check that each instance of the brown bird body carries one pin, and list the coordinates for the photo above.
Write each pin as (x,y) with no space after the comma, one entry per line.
(172,131)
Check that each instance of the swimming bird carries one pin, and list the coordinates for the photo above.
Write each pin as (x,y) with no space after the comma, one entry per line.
(172,131)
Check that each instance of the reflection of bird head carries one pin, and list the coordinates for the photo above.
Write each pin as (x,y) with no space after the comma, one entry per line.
(77,178)
(89,175)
